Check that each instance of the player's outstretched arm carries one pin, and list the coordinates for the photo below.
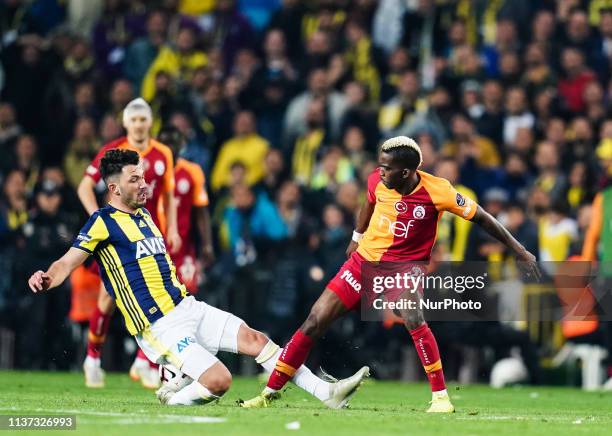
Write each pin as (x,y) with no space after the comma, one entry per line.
(58,271)
(87,195)
(363,220)
(499,232)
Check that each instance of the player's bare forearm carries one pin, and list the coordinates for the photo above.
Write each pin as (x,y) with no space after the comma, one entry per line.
(172,235)
(494,228)
(170,209)
(363,220)
(87,195)
(499,232)
(58,271)
(203,225)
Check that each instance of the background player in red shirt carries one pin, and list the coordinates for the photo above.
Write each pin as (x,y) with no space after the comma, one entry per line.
(397,223)
(191,208)
(159,175)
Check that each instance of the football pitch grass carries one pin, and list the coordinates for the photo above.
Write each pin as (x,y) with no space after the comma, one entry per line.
(378,408)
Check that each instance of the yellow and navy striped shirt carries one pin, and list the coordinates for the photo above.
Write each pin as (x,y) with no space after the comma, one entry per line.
(134,265)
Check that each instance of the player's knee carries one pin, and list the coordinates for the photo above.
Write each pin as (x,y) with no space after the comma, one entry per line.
(413,319)
(219,382)
(253,340)
(313,326)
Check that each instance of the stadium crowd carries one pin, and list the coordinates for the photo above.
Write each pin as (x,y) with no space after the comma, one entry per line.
(283,104)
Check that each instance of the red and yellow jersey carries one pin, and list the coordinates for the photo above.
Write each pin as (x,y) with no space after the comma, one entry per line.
(158,170)
(404,227)
(190,192)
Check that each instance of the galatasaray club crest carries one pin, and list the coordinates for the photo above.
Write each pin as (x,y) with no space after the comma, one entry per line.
(401,207)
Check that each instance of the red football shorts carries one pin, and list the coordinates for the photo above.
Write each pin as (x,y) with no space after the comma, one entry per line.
(347,282)
(356,278)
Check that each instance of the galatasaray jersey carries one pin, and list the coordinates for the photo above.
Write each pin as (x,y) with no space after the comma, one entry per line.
(158,170)
(135,267)
(403,227)
(189,192)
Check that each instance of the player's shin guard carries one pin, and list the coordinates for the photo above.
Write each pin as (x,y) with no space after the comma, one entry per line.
(291,358)
(303,377)
(193,393)
(98,328)
(428,352)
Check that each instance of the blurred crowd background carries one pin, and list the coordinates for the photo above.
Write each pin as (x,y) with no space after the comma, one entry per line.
(283,104)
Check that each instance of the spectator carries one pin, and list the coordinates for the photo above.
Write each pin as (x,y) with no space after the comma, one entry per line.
(48,233)
(538,74)
(398,112)
(348,199)
(575,79)
(462,130)
(14,203)
(517,114)
(142,52)
(275,174)
(249,221)
(318,87)
(556,232)
(360,113)
(198,145)
(246,146)
(288,18)
(9,129)
(524,230)
(230,31)
(550,179)
(364,60)
(453,231)
(356,146)
(273,84)
(26,160)
(179,63)
(491,122)
(81,151)
(110,129)
(119,25)
(307,148)
(335,168)
(398,62)
(594,101)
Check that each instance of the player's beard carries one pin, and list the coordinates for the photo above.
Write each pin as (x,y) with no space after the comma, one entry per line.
(138,199)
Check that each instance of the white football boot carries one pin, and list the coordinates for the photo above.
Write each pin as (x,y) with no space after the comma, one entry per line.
(94,374)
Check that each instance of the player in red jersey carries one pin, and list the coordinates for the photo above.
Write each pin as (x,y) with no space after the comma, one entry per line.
(397,223)
(191,205)
(159,175)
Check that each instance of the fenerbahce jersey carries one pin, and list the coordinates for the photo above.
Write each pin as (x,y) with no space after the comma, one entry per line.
(404,227)
(134,265)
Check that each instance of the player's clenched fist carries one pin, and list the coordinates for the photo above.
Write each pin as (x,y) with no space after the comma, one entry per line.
(39,281)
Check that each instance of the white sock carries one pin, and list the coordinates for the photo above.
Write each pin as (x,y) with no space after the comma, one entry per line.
(303,377)
(92,361)
(441,393)
(193,393)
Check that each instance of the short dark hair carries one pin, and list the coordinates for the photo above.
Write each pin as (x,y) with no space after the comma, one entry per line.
(406,157)
(171,136)
(114,160)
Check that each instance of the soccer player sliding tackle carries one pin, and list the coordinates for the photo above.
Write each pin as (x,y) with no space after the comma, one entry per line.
(159,173)
(170,326)
(397,223)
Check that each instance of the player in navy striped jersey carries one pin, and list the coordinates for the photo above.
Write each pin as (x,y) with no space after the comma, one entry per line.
(169,326)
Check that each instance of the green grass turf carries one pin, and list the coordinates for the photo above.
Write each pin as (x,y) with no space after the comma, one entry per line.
(379,408)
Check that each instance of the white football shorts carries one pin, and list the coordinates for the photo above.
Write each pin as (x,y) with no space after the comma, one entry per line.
(190,336)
